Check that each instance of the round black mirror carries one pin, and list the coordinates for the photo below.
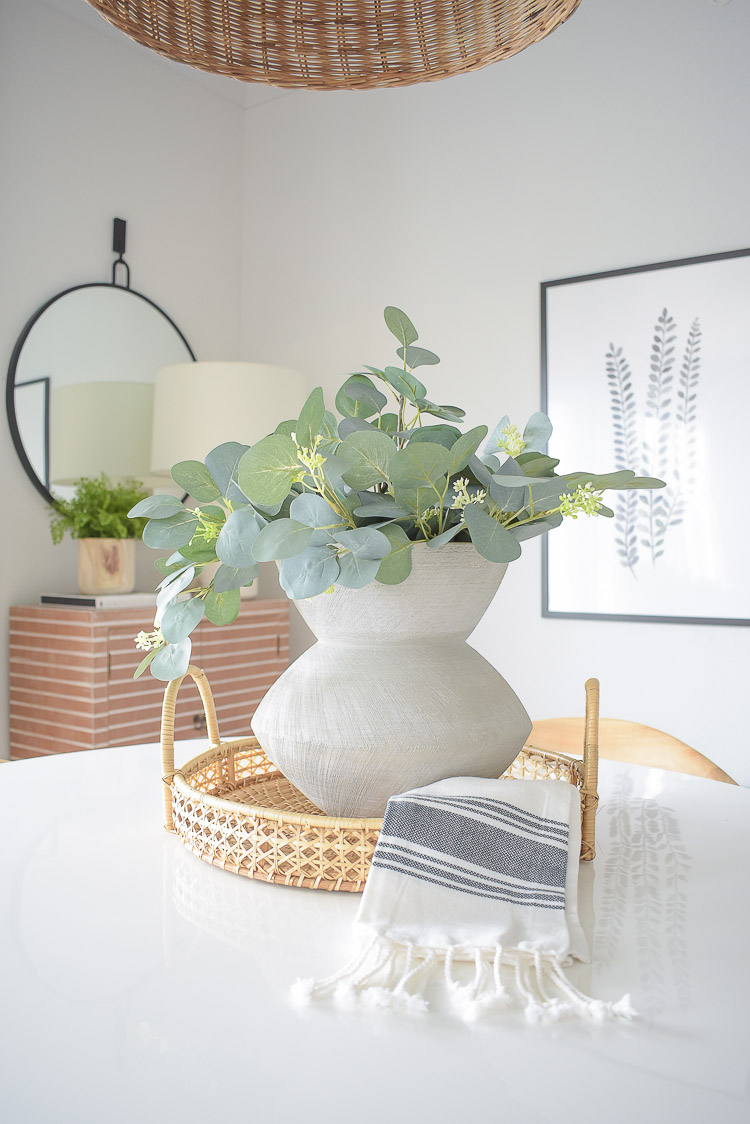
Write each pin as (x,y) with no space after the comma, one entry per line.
(80,384)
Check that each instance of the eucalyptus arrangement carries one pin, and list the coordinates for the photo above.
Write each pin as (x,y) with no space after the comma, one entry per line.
(345,502)
(98,510)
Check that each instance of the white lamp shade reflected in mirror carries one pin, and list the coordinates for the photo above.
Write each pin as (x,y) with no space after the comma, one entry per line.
(101,427)
(198,406)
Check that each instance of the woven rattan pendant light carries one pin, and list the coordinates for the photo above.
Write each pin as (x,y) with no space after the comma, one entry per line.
(337,44)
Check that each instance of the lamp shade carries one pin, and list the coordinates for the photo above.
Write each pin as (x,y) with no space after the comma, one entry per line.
(100,427)
(198,406)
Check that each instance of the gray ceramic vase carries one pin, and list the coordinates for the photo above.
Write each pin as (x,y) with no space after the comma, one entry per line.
(392,697)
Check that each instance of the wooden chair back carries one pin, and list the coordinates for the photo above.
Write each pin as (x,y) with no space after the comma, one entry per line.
(631,742)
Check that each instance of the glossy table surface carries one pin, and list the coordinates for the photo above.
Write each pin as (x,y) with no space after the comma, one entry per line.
(140,984)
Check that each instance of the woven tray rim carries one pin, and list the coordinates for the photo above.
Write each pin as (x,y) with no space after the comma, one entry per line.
(221,752)
(225,749)
(304,848)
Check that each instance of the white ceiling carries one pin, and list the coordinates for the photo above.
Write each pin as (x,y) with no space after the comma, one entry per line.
(241,93)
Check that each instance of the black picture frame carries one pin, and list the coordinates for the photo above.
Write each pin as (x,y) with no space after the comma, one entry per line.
(549,392)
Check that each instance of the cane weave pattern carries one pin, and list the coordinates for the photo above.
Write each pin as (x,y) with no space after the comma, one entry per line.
(256,823)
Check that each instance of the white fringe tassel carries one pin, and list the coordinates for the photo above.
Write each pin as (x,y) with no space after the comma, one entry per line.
(393,977)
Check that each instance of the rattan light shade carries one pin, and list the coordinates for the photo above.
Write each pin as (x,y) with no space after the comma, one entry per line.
(337,44)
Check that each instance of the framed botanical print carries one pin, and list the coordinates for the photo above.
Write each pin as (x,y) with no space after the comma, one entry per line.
(648,368)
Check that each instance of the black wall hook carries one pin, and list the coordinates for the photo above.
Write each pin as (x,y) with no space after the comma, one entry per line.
(119,229)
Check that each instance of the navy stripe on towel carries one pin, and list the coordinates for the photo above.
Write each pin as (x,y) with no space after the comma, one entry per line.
(502,852)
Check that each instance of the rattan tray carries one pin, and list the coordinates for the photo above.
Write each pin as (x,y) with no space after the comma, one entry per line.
(232,807)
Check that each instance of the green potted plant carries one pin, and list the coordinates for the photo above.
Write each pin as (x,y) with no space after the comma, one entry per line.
(97,516)
(392,530)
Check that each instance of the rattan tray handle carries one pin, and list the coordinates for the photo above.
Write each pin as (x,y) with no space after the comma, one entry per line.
(167,731)
(590,789)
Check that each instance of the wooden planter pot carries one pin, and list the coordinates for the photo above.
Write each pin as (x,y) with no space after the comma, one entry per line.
(106,565)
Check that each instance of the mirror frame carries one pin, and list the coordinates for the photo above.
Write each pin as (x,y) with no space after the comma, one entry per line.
(10,386)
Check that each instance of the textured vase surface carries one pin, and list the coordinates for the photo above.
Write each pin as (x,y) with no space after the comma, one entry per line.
(391,696)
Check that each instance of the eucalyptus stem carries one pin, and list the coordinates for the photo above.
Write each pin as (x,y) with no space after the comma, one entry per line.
(532,518)
(441,507)
(330,497)
(401,415)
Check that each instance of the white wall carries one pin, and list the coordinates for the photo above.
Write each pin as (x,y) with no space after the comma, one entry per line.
(620,140)
(92,128)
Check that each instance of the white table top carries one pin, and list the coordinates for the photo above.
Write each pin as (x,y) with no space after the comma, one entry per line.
(143,985)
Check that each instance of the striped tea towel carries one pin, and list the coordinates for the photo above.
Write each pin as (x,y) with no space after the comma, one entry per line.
(484,871)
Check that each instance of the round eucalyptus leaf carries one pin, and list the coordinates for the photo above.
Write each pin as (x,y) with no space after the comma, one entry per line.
(334,469)
(365,542)
(264,512)
(322,538)
(367,455)
(180,618)
(164,566)
(308,574)
(537,464)
(420,466)
(465,448)
(195,479)
(222,606)
(171,533)
(446,536)
(546,492)
(625,478)
(480,472)
(354,572)
(144,663)
(359,398)
(496,437)
(400,325)
(415,501)
(281,539)
(171,589)
(310,419)
(491,540)
(314,511)
(405,384)
(234,545)
(199,552)
(380,507)
(537,433)
(361,389)
(538,527)
(156,507)
(352,425)
(329,431)
(642,482)
(418,356)
(223,463)
(268,469)
(446,435)
(388,423)
(233,577)
(172,661)
(396,566)
(501,488)
(447,413)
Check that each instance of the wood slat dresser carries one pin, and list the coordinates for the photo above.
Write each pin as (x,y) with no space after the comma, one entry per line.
(72,686)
